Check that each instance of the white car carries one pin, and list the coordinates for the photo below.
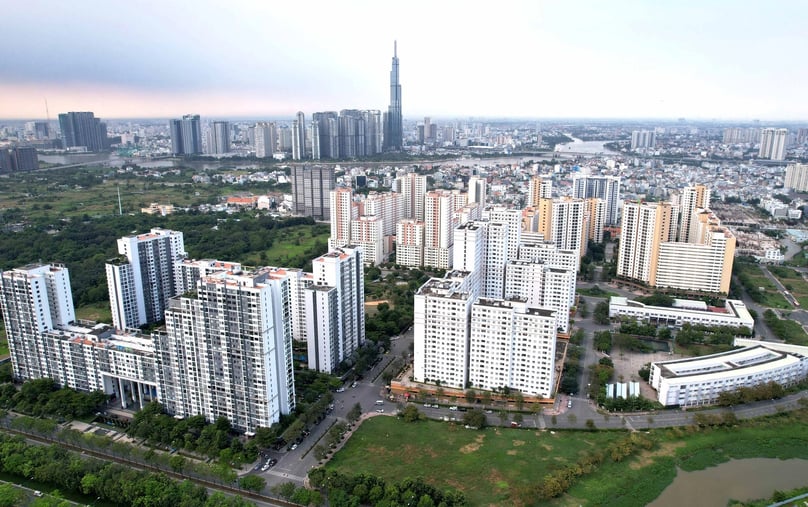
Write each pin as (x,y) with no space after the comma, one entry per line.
(380,410)
(341,390)
(453,408)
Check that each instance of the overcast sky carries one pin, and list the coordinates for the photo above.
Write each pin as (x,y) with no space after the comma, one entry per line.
(537,59)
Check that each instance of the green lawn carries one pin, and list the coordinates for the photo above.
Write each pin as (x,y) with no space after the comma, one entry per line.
(301,241)
(770,295)
(487,465)
(793,282)
(99,312)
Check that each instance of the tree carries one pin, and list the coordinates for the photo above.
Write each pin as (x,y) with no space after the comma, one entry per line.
(471,395)
(503,416)
(518,418)
(355,413)
(9,495)
(601,313)
(252,482)
(486,398)
(590,424)
(411,413)
(520,400)
(474,418)
(177,463)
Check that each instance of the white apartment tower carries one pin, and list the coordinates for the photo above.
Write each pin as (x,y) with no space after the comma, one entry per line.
(343,211)
(773,143)
(227,350)
(34,300)
(691,199)
(478,190)
(146,275)
(512,344)
(542,286)
(441,329)
(410,243)
(645,226)
(502,245)
(340,269)
(604,187)
(367,232)
(565,221)
(797,177)
(439,227)
(469,252)
(413,189)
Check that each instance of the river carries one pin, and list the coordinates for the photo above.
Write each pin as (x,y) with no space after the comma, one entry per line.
(588,147)
(740,479)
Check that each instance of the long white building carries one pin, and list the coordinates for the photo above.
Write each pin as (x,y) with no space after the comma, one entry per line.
(147,274)
(733,314)
(700,380)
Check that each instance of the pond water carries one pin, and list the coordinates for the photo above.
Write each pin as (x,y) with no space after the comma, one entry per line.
(741,479)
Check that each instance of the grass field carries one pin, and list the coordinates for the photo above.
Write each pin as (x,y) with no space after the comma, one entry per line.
(793,282)
(302,241)
(484,464)
(770,295)
(99,312)
(491,464)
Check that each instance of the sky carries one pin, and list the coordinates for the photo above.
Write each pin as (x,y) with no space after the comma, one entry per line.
(702,59)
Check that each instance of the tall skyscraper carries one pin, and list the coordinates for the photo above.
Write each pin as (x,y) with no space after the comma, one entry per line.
(186,135)
(478,190)
(311,187)
(691,199)
(18,158)
(410,243)
(773,143)
(146,275)
(439,208)
(314,137)
(394,123)
(644,227)
(219,138)
(540,188)
(266,139)
(299,137)
(604,187)
(83,129)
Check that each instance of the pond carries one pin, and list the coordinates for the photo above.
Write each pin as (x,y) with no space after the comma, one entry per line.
(742,479)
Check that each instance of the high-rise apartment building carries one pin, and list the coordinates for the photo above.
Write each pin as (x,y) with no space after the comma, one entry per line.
(439,224)
(565,221)
(441,316)
(266,139)
(603,187)
(335,308)
(503,233)
(539,188)
(299,137)
(691,199)
(797,177)
(410,243)
(541,286)
(219,138)
(34,299)
(146,275)
(367,233)
(343,211)
(649,252)
(18,159)
(186,135)
(413,189)
(773,143)
(469,252)
(311,187)
(227,350)
(596,214)
(643,139)
(83,129)
(736,135)
(512,344)
(478,191)
(394,120)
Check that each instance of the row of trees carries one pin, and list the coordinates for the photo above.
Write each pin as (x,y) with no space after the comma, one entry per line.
(344,490)
(192,433)
(110,482)
(768,391)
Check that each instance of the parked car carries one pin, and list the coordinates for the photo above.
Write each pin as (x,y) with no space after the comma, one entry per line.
(452,408)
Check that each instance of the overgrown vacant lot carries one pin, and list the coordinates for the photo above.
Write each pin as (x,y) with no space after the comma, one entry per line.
(487,465)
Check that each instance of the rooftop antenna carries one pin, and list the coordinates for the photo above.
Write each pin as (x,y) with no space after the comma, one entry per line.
(120,208)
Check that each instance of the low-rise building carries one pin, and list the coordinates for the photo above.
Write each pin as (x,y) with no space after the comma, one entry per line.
(733,314)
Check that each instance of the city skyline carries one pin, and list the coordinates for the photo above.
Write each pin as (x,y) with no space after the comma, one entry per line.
(614,60)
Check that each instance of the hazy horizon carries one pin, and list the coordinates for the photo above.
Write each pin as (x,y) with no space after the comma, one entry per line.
(525,60)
